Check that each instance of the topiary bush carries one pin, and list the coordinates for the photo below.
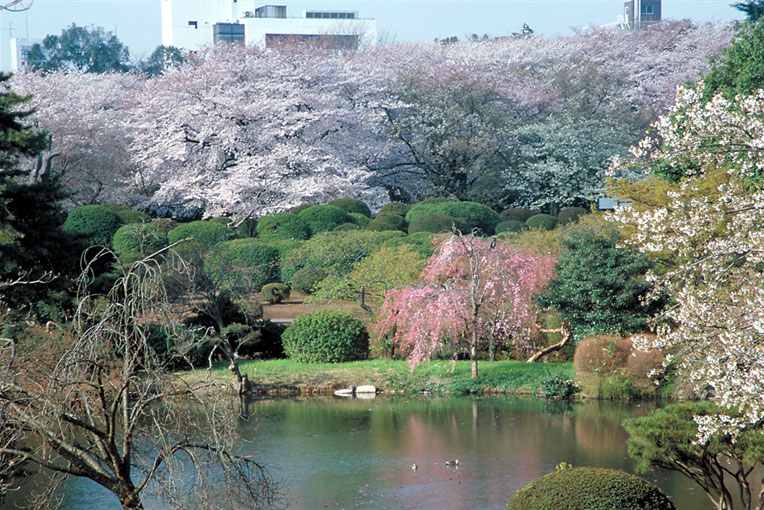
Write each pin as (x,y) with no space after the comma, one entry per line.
(136,240)
(282,225)
(378,225)
(127,215)
(398,222)
(542,222)
(474,215)
(275,292)
(223,220)
(589,488)
(396,208)
(251,260)
(510,226)
(345,227)
(300,208)
(517,214)
(326,336)
(435,223)
(323,218)
(570,214)
(94,223)
(351,205)
(359,219)
(206,233)
(306,279)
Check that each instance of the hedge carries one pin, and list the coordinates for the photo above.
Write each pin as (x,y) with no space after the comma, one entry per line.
(542,222)
(473,214)
(323,218)
(326,336)
(282,225)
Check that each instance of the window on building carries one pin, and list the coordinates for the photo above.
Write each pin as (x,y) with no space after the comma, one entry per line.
(228,32)
(194,24)
(646,9)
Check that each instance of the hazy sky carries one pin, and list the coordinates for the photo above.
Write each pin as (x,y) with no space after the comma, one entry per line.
(137,22)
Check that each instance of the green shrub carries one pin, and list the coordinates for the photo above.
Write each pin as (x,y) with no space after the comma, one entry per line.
(378,225)
(570,214)
(396,208)
(275,292)
(420,242)
(206,233)
(326,337)
(300,208)
(306,279)
(510,226)
(558,385)
(542,222)
(223,220)
(359,219)
(398,222)
(282,225)
(127,215)
(474,215)
(164,224)
(517,214)
(136,240)
(323,218)
(345,227)
(247,228)
(95,223)
(435,223)
(590,489)
(351,205)
(335,252)
(249,262)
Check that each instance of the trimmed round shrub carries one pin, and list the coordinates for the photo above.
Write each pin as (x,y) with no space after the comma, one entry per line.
(206,233)
(510,226)
(346,226)
(589,488)
(239,262)
(474,215)
(420,242)
(127,215)
(435,223)
(306,279)
(352,205)
(300,208)
(542,222)
(378,225)
(517,214)
(359,219)
(323,218)
(396,208)
(96,223)
(136,240)
(275,292)
(282,225)
(399,222)
(570,214)
(223,220)
(326,336)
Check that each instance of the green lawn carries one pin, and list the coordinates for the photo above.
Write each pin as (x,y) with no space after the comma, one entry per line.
(395,376)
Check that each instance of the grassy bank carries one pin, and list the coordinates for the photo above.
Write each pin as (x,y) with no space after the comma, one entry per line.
(291,377)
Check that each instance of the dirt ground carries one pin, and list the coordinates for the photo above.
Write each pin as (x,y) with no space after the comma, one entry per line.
(295,305)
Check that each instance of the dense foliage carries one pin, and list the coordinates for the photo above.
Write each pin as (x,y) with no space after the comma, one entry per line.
(590,489)
(96,224)
(600,287)
(138,240)
(282,225)
(323,218)
(326,337)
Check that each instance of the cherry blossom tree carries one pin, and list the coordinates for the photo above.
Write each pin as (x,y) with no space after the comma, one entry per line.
(709,224)
(473,293)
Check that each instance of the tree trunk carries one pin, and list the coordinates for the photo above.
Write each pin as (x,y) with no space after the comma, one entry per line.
(473,353)
(552,348)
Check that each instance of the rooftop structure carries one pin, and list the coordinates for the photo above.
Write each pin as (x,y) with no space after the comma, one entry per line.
(191,24)
(641,13)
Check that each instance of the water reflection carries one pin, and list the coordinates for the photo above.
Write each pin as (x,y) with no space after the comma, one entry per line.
(343,453)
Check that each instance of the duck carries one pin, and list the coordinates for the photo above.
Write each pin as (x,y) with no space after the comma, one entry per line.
(454,462)
(414,467)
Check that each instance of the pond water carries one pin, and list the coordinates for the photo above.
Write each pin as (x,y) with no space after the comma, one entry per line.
(352,453)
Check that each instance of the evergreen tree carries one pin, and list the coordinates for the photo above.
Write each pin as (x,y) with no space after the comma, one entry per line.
(753,9)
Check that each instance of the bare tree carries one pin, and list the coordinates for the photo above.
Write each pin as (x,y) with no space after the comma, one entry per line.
(15,5)
(107,409)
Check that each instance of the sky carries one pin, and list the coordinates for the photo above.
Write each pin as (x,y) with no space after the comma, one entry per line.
(137,22)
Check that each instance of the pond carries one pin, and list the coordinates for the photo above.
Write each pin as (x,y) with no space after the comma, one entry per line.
(352,453)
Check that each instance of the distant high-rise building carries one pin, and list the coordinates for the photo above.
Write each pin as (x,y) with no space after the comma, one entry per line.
(191,24)
(641,13)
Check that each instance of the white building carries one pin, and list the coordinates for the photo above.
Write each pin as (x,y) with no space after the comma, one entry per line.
(19,51)
(191,24)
